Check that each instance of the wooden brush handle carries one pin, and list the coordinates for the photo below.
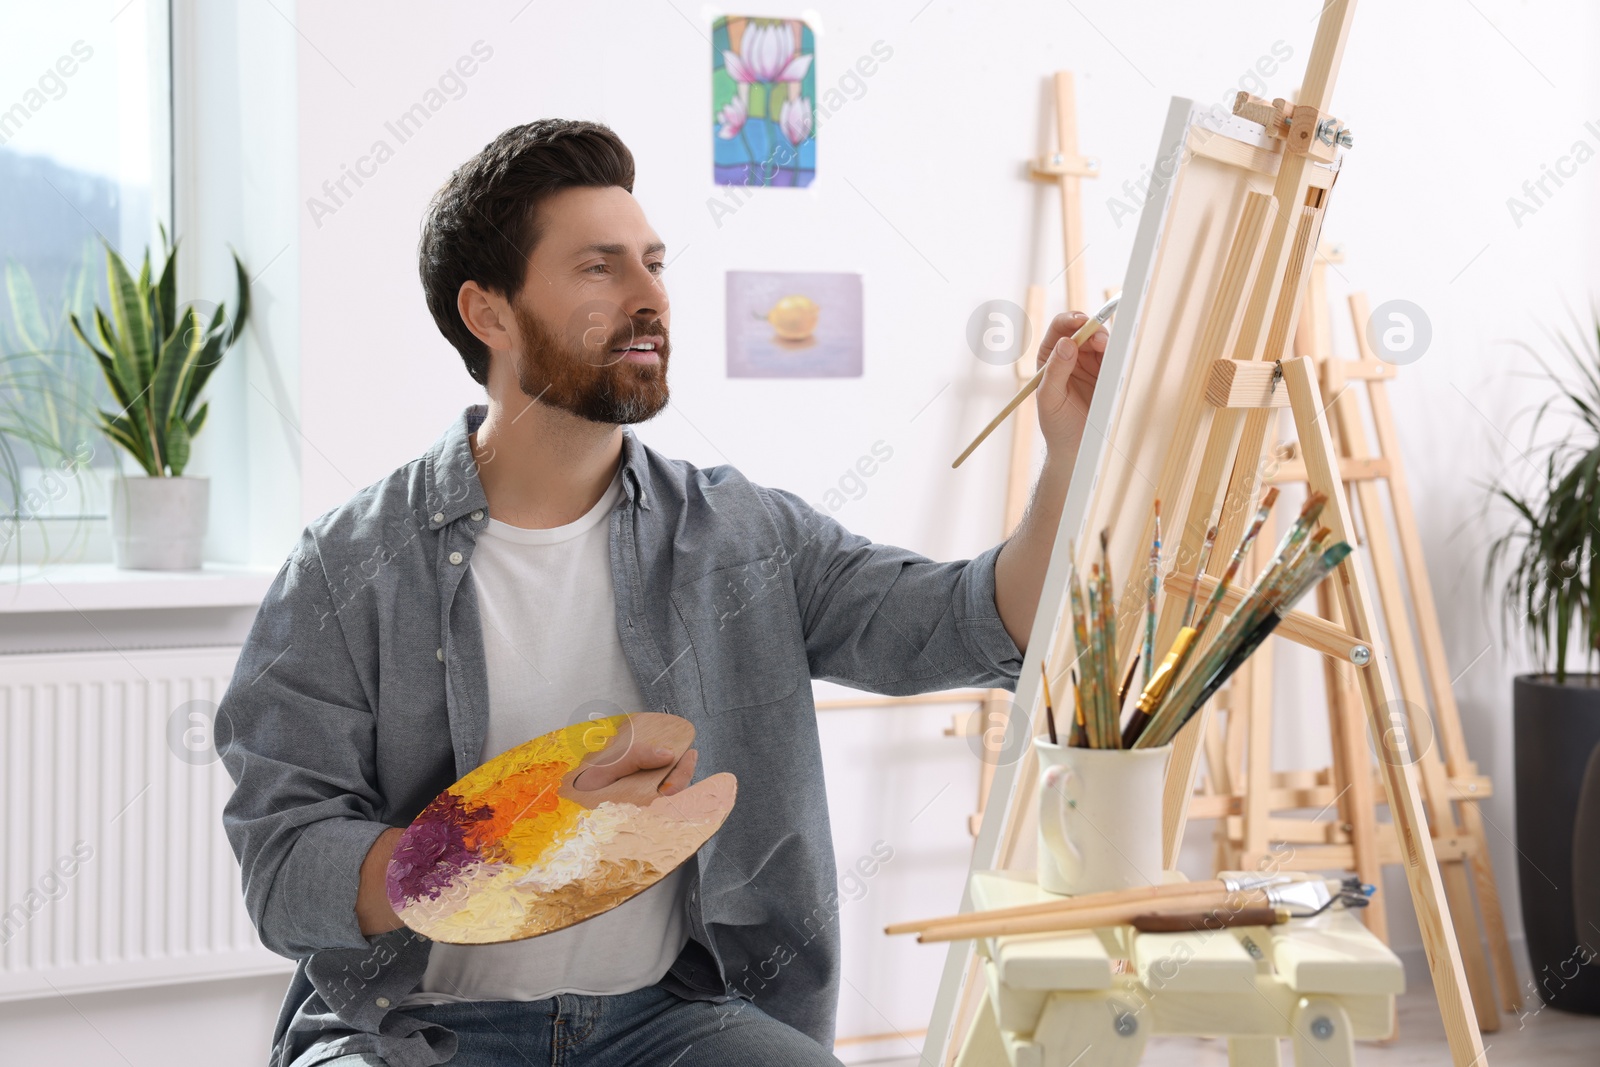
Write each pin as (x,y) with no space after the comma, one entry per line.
(1217,919)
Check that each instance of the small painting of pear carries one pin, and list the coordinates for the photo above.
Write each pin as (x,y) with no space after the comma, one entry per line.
(793,320)
(794,324)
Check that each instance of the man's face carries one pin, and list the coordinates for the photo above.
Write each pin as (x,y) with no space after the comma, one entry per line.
(592,314)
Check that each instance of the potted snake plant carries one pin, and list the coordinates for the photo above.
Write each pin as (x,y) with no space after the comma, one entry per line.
(156,358)
(1551,600)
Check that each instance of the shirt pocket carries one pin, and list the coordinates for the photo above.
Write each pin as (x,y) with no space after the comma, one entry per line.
(745,631)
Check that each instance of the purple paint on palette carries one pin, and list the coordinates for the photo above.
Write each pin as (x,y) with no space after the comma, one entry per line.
(431,853)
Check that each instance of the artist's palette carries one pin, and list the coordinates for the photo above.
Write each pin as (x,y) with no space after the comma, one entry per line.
(513,850)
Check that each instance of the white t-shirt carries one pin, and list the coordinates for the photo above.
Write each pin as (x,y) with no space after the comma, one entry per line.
(550,643)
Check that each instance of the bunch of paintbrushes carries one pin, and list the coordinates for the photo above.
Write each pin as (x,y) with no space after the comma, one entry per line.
(1177,687)
(1302,559)
(1097,696)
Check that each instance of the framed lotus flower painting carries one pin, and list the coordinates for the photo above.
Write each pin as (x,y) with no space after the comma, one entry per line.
(763,102)
(794,324)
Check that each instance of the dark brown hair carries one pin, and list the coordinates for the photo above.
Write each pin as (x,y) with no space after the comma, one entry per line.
(481,225)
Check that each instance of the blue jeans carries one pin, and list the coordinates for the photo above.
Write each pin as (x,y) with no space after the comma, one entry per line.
(648,1028)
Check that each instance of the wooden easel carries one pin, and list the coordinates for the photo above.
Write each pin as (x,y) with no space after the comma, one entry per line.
(1251,806)
(1064,168)
(1220,390)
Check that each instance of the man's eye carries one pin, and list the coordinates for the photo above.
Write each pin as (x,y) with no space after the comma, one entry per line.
(601,267)
(657,267)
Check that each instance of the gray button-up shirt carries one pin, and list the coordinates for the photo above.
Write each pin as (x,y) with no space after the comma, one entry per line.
(361,693)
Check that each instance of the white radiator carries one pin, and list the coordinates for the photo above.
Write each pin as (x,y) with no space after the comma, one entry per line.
(114,870)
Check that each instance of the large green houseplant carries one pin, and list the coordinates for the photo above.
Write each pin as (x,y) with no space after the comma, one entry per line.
(156,357)
(1551,598)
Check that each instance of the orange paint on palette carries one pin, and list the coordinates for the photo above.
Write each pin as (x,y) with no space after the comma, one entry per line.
(525,806)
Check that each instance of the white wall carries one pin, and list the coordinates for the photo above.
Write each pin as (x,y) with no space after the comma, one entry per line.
(922,189)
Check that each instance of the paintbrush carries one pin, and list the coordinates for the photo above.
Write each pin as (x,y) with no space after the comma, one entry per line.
(1080,633)
(1077,738)
(1237,559)
(1167,895)
(1086,331)
(982,924)
(1109,732)
(1127,682)
(1205,558)
(1156,688)
(1097,657)
(1291,542)
(1161,679)
(1150,599)
(1049,712)
(1215,919)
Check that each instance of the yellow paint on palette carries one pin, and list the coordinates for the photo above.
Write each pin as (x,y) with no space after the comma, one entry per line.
(512,850)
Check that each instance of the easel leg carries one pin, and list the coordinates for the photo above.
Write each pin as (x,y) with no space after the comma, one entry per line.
(1451,737)
(1256,834)
(1494,918)
(994,709)
(1400,777)
(1254,1052)
(983,1047)
(1219,781)
(1345,414)
(1241,715)
(1357,799)
(974,1014)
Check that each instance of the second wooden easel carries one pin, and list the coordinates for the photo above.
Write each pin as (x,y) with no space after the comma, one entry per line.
(1252,803)
(1064,168)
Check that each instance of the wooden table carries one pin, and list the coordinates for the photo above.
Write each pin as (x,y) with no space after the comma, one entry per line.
(1092,999)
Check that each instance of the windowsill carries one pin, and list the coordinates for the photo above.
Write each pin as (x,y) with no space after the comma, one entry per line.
(103,587)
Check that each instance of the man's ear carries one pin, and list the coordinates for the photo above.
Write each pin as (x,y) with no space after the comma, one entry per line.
(488,315)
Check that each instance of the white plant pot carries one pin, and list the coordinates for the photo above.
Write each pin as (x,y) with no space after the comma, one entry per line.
(158,524)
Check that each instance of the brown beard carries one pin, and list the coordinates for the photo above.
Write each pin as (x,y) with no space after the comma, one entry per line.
(592,383)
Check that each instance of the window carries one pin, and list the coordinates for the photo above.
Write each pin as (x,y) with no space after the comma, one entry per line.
(85,157)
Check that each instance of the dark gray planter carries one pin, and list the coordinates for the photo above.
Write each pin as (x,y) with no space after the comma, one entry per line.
(1557,735)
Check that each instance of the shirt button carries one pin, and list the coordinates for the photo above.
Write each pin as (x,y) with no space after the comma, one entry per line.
(382,1002)
(477,516)
(438,516)
(438,654)
(455,557)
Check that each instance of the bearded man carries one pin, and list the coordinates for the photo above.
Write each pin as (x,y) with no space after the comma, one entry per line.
(538,566)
